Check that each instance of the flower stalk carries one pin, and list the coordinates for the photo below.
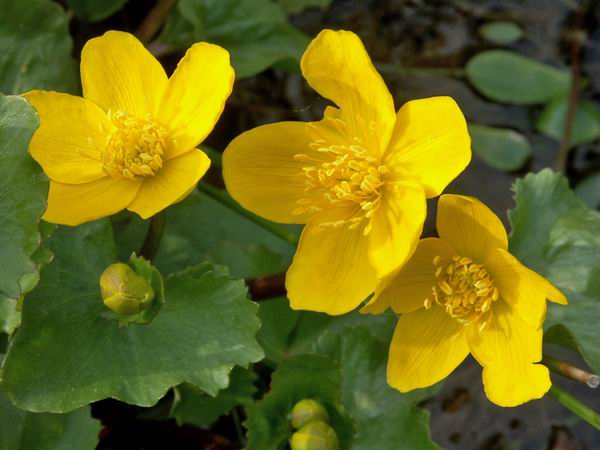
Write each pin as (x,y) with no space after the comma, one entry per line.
(574,373)
(575,406)
(156,229)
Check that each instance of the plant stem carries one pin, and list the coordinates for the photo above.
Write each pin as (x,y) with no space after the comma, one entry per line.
(223,197)
(154,20)
(263,288)
(154,235)
(214,155)
(575,406)
(575,373)
(238,427)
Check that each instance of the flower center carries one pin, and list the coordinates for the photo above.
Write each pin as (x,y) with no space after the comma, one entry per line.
(464,289)
(135,147)
(342,175)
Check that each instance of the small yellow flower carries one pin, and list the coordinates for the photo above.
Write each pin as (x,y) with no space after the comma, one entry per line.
(130,141)
(464,292)
(358,178)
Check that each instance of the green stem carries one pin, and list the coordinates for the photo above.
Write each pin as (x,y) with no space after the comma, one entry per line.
(215,156)
(154,235)
(238,426)
(224,198)
(574,373)
(575,406)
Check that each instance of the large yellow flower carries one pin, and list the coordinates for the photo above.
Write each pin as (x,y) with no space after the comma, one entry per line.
(358,178)
(464,292)
(130,141)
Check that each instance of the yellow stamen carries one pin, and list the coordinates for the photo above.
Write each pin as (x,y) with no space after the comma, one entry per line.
(135,147)
(464,289)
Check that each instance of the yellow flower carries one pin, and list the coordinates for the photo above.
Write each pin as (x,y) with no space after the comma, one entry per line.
(358,178)
(464,292)
(130,141)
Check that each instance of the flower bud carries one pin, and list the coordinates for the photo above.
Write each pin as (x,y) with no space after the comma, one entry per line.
(315,435)
(306,411)
(124,291)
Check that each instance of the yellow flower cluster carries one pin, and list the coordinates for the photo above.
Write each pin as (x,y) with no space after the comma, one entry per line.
(359,179)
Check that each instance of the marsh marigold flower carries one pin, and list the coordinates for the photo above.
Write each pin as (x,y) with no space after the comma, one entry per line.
(130,141)
(464,292)
(358,178)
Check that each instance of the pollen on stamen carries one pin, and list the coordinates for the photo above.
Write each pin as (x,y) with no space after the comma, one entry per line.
(135,147)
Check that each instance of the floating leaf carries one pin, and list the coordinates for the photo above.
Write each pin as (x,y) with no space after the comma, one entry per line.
(22,430)
(589,190)
(95,10)
(36,47)
(192,406)
(256,32)
(23,190)
(501,148)
(66,354)
(557,235)
(586,125)
(509,77)
(501,32)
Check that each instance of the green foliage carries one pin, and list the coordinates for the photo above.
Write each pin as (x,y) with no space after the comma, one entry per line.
(501,32)
(347,377)
(255,32)
(95,10)
(557,235)
(23,190)
(501,148)
(66,354)
(36,47)
(295,6)
(586,125)
(201,228)
(192,406)
(509,77)
(22,430)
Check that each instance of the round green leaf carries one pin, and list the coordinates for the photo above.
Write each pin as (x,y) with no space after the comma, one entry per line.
(501,32)
(501,148)
(586,125)
(509,77)
(22,430)
(36,47)
(23,190)
(66,354)
(589,190)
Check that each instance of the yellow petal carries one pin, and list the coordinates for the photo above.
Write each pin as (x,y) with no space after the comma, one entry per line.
(119,74)
(74,204)
(522,288)
(177,178)
(427,346)
(263,175)
(508,349)
(396,226)
(330,272)
(195,95)
(407,290)
(431,141)
(70,138)
(470,227)
(337,66)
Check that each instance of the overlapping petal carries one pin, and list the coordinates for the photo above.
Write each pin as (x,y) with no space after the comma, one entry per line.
(407,290)
(426,347)
(507,349)
(69,141)
(470,227)
(74,204)
(396,225)
(176,178)
(195,96)
(119,74)
(331,271)
(431,141)
(337,66)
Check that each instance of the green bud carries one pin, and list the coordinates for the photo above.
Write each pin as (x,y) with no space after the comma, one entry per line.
(124,291)
(315,435)
(306,411)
